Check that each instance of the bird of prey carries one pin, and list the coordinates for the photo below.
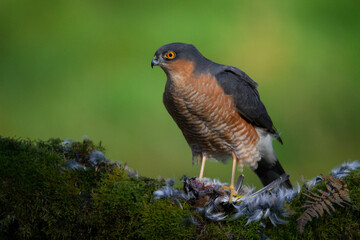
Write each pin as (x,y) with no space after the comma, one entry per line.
(219,111)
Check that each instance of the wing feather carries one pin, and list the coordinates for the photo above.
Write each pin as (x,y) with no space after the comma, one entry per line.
(238,84)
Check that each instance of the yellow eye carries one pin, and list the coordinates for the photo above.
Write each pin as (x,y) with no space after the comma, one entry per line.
(170,55)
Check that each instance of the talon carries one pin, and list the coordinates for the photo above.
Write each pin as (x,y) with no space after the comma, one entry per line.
(233,193)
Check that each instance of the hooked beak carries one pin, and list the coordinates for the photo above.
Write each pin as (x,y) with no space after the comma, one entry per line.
(154,62)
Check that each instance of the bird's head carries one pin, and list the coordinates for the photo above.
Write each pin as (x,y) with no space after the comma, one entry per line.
(169,55)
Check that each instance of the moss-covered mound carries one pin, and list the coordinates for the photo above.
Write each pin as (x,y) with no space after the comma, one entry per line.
(64,190)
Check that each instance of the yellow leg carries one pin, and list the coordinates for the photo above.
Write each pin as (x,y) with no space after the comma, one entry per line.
(203,160)
(231,187)
(233,169)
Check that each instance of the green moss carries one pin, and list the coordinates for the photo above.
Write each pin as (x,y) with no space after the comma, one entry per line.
(250,231)
(342,224)
(165,220)
(41,199)
(28,178)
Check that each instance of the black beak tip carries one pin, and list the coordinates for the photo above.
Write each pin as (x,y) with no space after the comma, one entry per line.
(154,62)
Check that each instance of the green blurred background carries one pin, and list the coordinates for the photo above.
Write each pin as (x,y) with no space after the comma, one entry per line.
(75,68)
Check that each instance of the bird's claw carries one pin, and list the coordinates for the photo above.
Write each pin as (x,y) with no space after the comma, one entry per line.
(233,193)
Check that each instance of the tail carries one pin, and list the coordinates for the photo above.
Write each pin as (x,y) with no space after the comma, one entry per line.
(269,172)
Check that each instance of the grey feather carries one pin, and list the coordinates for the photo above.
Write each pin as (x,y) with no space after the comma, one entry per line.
(246,96)
(341,171)
(168,192)
(96,157)
(256,216)
(345,168)
(72,164)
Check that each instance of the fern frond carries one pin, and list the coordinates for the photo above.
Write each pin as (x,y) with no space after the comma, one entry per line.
(340,187)
(324,206)
(318,208)
(329,204)
(309,194)
(317,203)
